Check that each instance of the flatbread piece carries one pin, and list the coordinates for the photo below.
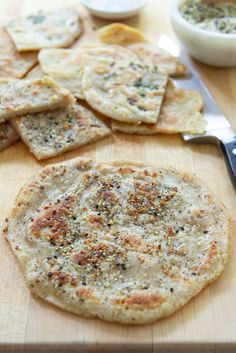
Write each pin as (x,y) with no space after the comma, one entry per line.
(66,66)
(124,243)
(8,135)
(19,97)
(125,90)
(45,29)
(180,112)
(52,133)
(121,34)
(12,63)
(152,54)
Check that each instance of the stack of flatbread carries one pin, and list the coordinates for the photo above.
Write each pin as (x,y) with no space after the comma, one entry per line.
(40,111)
(131,84)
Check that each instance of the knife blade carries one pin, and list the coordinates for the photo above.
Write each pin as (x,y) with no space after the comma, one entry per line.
(218,129)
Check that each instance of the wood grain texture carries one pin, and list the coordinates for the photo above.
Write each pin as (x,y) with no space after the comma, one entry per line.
(208,322)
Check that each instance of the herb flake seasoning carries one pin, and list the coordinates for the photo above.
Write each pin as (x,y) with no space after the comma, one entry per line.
(219,18)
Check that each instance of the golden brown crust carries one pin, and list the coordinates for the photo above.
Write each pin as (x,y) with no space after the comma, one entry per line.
(142,301)
(119,33)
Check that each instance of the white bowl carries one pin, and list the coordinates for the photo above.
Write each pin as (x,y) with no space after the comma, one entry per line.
(103,10)
(216,49)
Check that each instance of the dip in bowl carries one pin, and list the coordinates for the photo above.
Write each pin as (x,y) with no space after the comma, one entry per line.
(207,32)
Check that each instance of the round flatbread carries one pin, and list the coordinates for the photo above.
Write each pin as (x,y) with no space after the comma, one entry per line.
(124,243)
(125,90)
(66,66)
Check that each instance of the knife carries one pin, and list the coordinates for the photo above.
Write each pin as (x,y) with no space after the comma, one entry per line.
(218,129)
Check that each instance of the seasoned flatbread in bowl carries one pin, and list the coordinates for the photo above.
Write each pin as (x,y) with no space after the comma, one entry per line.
(45,29)
(66,66)
(125,90)
(123,242)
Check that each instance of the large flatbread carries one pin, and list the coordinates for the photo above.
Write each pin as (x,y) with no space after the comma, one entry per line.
(180,112)
(45,29)
(152,54)
(66,66)
(52,133)
(124,243)
(125,90)
(19,97)
(8,135)
(12,63)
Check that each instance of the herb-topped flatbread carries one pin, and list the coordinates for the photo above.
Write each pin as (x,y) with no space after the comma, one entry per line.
(180,112)
(152,54)
(18,97)
(8,135)
(124,243)
(12,63)
(52,133)
(66,66)
(45,29)
(125,90)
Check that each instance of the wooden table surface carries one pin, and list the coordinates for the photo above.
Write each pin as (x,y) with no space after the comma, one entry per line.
(208,322)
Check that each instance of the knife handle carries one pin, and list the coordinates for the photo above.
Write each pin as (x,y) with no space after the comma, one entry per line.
(229,152)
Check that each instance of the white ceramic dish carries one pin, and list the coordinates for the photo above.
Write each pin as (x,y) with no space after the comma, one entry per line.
(112,10)
(216,49)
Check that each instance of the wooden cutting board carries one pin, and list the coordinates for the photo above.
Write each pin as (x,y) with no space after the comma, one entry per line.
(208,322)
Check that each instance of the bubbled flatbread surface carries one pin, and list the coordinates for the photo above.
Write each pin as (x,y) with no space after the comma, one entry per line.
(66,66)
(180,112)
(8,135)
(125,90)
(19,97)
(12,63)
(152,54)
(124,243)
(52,133)
(45,29)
